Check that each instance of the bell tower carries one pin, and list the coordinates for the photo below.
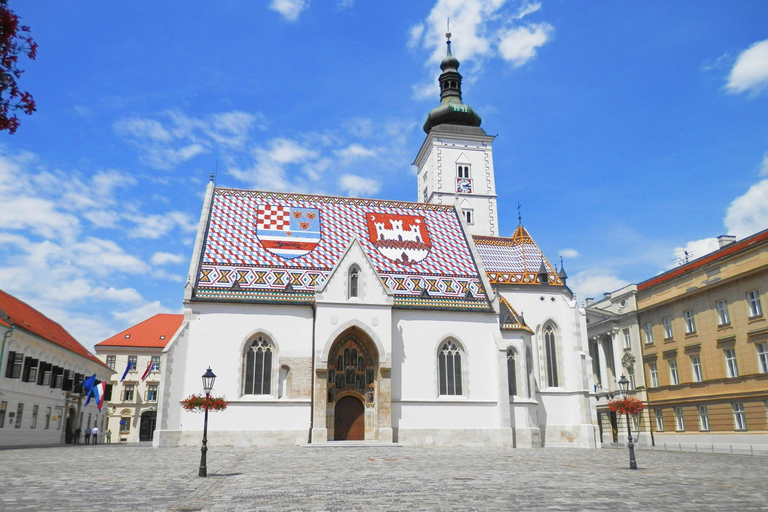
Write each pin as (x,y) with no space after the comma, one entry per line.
(455,162)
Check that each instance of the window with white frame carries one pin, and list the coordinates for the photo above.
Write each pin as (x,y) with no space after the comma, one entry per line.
(739,416)
(659,416)
(631,377)
(152,393)
(155,364)
(354,282)
(512,371)
(679,419)
(449,368)
(469,216)
(653,371)
(648,331)
(635,418)
(667,323)
(462,171)
(703,418)
(690,321)
(698,374)
(627,339)
(550,347)
(731,368)
(128,392)
(722,312)
(258,367)
(111,362)
(753,301)
(762,357)
(674,376)
(132,360)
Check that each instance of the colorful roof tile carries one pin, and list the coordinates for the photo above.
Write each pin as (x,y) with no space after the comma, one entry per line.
(276,247)
(515,260)
(509,319)
(154,332)
(21,315)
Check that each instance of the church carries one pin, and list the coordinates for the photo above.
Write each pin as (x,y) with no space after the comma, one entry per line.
(333,319)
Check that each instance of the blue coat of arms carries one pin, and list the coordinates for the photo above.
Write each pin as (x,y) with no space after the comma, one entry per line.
(288,231)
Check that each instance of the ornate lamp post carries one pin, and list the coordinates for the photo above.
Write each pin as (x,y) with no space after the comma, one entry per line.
(623,386)
(208,379)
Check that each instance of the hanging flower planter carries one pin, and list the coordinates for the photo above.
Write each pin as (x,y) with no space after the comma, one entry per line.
(199,403)
(629,405)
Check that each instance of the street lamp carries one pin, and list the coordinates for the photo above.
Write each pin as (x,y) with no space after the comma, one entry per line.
(624,385)
(208,379)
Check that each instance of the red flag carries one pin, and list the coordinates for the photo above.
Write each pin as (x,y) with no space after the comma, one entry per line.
(146,372)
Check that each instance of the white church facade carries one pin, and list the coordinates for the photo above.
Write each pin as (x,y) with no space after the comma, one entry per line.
(333,319)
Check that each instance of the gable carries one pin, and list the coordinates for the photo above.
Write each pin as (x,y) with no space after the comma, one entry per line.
(281,247)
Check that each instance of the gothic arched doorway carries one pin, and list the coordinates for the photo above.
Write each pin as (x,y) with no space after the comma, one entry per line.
(349,419)
(351,388)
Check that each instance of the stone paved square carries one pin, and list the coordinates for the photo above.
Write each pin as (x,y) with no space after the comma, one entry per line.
(142,478)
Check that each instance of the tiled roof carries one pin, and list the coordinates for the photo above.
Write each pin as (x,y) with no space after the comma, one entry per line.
(154,332)
(509,319)
(515,260)
(23,316)
(720,254)
(259,243)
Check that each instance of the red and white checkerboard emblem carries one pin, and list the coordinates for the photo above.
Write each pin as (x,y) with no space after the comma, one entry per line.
(273,217)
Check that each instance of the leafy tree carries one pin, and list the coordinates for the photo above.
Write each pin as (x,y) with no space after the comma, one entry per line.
(15,40)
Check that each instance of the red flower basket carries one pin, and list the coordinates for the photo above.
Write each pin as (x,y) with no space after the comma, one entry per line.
(199,403)
(629,405)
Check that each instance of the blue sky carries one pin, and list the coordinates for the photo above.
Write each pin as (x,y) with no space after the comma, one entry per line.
(629,131)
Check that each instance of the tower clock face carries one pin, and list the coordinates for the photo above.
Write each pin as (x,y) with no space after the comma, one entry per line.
(464,185)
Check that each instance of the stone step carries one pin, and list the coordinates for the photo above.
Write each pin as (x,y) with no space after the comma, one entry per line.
(351,444)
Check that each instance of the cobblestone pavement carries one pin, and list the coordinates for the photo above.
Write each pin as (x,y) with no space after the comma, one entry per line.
(142,478)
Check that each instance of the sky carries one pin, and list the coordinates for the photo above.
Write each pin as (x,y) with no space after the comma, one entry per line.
(629,131)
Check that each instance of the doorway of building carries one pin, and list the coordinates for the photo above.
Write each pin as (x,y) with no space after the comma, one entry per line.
(349,419)
(70,432)
(147,426)
(614,427)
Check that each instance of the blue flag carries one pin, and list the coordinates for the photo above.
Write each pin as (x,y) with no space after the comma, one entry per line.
(127,369)
(88,386)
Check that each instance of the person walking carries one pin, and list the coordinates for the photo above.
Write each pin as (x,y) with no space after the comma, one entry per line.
(77,435)
(87,435)
(109,436)
(95,434)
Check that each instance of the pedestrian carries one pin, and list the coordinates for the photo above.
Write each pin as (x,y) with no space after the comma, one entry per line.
(77,435)
(87,435)
(109,436)
(95,434)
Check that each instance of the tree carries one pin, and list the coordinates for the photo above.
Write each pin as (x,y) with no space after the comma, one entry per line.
(15,40)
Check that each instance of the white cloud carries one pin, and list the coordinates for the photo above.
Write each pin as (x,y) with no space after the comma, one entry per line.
(595,282)
(141,313)
(288,9)
(569,253)
(518,45)
(748,214)
(164,258)
(694,249)
(358,186)
(159,225)
(355,152)
(750,72)
(143,129)
(345,4)
(528,8)
(764,166)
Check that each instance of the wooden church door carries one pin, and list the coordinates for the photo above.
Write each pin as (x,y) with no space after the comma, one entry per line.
(349,419)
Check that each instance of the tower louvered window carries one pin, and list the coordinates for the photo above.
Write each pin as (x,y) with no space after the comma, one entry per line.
(258,367)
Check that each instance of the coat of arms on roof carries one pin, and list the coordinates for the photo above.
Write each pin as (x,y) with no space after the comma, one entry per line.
(288,232)
(400,238)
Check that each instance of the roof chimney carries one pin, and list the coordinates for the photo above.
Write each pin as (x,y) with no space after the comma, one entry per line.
(725,240)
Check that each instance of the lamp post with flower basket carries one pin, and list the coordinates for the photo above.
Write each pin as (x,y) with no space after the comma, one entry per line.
(627,405)
(197,403)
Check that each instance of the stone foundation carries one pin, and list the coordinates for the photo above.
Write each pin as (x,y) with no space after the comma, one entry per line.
(454,437)
(170,438)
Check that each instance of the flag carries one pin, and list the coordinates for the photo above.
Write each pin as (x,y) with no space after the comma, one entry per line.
(127,369)
(88,386)
(98,392)
(146,372)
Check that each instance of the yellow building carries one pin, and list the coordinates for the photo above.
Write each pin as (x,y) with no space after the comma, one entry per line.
(705,346)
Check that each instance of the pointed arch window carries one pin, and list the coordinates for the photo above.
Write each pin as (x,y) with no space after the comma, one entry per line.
(258,367)
(549,345)
(354,282)
(449,369)
(512,371)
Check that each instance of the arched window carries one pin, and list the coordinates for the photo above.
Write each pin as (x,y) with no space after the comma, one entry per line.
(449,368)
(512,371)
(549,345)
(354,282)
(258,367)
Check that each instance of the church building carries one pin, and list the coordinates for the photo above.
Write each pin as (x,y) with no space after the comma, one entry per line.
(335,319)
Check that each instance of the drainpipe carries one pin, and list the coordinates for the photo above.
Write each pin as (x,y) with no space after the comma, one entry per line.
(7,335)
(314,377)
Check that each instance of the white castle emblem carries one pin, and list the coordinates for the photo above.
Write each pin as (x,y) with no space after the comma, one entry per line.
(405,240)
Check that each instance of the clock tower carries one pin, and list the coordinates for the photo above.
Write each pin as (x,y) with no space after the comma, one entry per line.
(455,162)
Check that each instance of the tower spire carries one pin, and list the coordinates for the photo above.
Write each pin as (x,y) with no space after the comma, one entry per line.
(451,109)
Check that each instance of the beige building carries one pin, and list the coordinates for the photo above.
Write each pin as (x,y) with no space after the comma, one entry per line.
(615,348)
(134,354)
(705,346)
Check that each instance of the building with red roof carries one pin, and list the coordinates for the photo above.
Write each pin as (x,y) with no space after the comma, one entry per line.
(41,384)
(135,354)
